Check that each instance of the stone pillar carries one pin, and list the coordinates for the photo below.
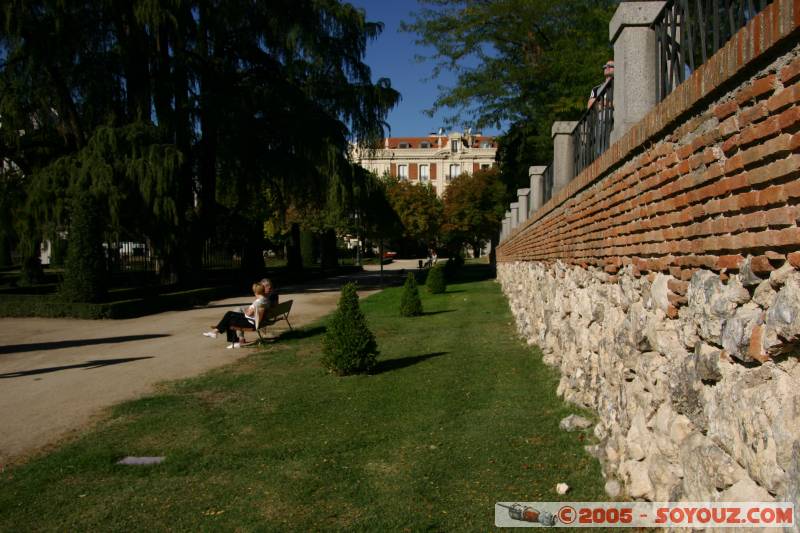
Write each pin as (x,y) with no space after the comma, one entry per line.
(634,63)
(522,200)
(537,187)
(506,225)
(563,159)
(514,214)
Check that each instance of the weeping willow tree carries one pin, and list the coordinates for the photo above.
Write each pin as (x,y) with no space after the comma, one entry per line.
(178,116)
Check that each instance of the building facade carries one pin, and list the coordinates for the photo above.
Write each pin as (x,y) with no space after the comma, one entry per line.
(435,159)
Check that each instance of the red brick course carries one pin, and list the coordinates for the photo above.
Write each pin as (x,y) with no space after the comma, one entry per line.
(703,194)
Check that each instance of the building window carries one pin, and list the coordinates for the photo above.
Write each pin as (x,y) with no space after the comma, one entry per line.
(402,172)
(455,170)
(424,145)
(486,144)
(424,173)
(454,146)
(484,166)
(404,145)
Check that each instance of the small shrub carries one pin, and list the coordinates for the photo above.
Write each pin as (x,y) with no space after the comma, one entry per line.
(410,304)
(349,346)
(435,281)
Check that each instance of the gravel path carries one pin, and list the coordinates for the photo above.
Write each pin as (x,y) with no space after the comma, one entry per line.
(57,375)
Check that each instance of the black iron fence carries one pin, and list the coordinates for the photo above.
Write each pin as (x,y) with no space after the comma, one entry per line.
(592,136)
(139,256)
(689,32)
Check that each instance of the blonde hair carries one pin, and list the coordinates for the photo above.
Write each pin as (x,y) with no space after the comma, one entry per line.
(258,289)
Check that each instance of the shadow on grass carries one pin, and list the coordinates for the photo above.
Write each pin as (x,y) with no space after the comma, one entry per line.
(402,362)
(96,363)
(473,273)
(300,333)
(429,313)
(55,345)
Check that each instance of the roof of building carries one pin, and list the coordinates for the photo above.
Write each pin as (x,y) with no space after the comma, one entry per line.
(416,142)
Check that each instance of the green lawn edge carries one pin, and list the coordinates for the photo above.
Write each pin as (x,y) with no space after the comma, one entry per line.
(459,414)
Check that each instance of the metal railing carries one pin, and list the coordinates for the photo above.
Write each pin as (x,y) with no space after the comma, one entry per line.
(592,136)
(689,32)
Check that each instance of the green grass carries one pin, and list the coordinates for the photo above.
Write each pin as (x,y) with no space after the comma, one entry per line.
(460,414)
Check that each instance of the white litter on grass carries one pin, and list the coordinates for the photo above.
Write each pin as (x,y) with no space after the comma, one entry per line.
(130,460)
(562,488)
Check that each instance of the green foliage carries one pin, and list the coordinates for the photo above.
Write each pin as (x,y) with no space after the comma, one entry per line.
(474,206)
(349,346)
(179,115)
(435,282)
(410,303)
(519,62)
(418,207)
(452,266)
(84,270)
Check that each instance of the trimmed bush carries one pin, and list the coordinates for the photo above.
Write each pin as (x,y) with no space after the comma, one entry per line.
(435,281)
(84,270)
(410,304)
(349,346)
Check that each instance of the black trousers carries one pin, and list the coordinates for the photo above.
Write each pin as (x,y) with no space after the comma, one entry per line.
(233,319)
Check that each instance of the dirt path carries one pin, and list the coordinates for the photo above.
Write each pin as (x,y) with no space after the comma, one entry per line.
(57,374)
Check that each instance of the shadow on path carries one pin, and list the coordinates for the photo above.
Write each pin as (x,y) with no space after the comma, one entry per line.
(402,362)
(96,363)
(55,345)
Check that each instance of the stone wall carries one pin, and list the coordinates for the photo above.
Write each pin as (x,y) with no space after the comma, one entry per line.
(687,409)
(663,281)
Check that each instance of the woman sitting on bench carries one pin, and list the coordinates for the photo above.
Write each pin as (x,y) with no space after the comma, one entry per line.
(245,319)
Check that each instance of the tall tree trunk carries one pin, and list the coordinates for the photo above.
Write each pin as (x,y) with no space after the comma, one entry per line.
(328,249)
(294,260)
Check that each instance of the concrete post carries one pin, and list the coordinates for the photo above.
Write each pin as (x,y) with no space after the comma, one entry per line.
(634,63)
(522,200)
(563,159)
(506,225)
(514,214)
(537,188)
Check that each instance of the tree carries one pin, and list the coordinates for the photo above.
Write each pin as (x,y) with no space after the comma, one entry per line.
(221,100)
(410,303)
(419,210)
(520,62)
(349,347)
(474,207)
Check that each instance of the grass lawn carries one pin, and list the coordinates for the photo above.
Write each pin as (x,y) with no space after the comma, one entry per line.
(459,414)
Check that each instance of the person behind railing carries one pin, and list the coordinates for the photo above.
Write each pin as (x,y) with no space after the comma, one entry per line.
(608,72)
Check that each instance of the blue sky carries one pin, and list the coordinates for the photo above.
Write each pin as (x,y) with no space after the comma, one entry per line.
(391,56)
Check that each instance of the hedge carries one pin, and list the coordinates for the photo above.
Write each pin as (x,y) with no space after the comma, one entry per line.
(29,305)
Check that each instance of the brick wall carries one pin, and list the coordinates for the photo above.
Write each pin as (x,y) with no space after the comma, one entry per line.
(708,177)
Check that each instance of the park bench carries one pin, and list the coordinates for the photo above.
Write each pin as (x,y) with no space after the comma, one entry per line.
(272,315)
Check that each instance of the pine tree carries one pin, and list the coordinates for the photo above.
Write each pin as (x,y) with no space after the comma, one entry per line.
(84,271)
(349,347)
(410,304)
(435,281)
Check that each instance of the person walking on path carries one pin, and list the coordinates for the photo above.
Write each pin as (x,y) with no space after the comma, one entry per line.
(242,319)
